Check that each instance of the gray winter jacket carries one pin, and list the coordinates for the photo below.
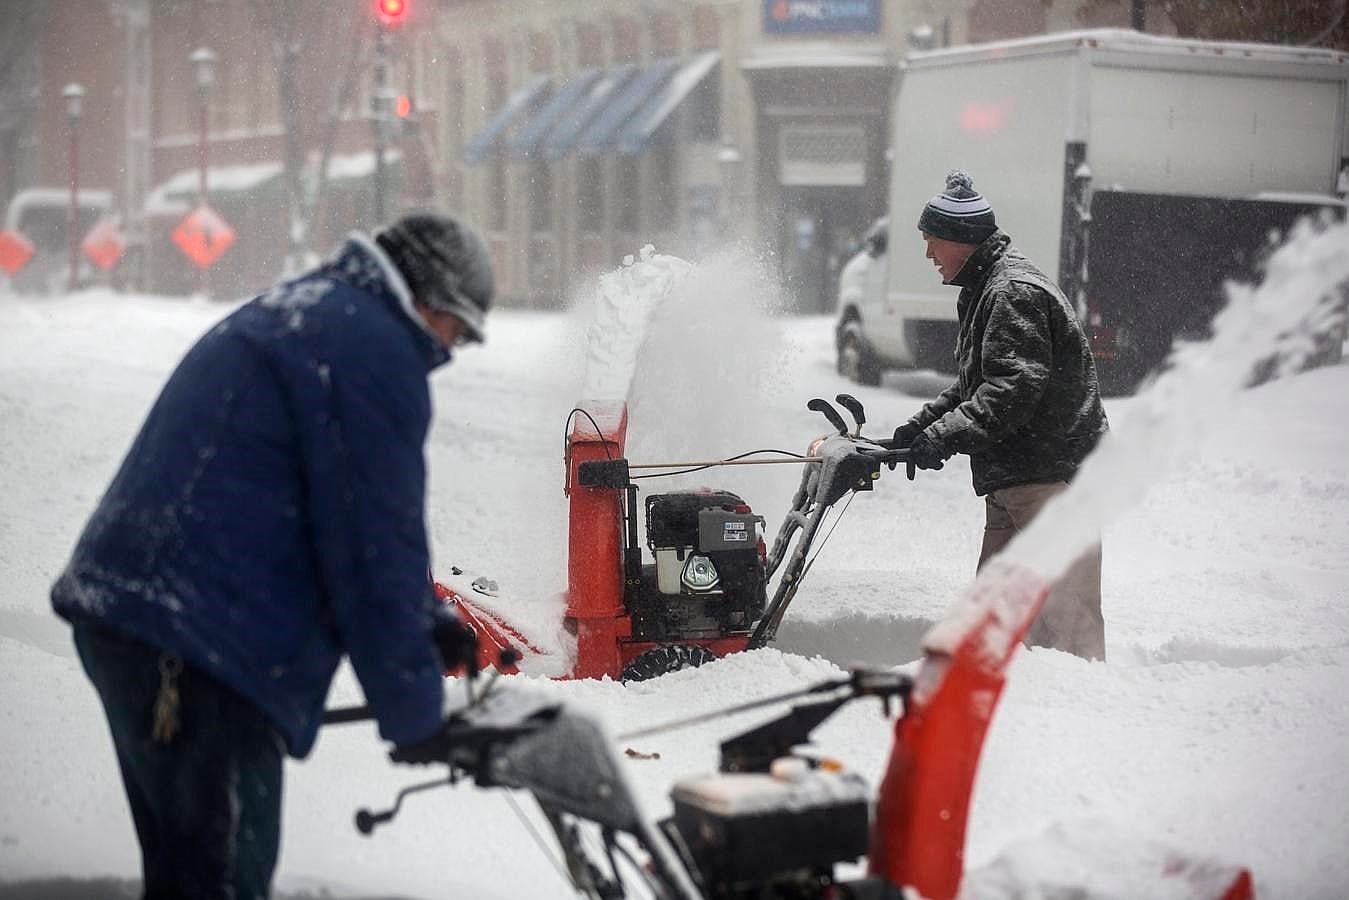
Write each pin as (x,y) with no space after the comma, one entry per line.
(1026,405)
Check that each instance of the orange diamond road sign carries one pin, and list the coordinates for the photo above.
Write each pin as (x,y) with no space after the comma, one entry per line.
(203,236)
(15,251)
(104,245)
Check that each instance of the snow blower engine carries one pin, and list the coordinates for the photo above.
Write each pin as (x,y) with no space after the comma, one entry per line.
(709,573)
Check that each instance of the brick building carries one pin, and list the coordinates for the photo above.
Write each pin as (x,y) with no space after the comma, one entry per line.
(268,121)
(571,131)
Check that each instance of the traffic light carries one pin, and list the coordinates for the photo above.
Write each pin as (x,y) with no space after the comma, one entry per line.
(391,12)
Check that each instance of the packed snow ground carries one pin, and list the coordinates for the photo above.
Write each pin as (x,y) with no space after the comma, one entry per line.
(1219,725)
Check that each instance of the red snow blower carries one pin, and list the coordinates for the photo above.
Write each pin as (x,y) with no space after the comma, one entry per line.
(704,592)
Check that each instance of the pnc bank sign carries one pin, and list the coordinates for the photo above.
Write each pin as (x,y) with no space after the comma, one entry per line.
(802,16)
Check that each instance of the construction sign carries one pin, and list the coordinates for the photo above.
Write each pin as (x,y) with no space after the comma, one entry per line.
(104,245)
(203,236)
(15,251)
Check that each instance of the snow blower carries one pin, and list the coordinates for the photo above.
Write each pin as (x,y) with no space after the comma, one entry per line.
(704,590)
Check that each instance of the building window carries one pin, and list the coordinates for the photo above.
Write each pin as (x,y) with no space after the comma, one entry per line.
(589,46)
(664,35)
(704,109)
(822,154)
(706,28)
(663,181)
(627,44)
(590,196)
(541,48)
(497,197)
(627,201)
(494,62)
(453,124)
(498,194)
(540,197)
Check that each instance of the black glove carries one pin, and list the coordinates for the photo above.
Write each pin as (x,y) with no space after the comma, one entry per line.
(456,641)
(432,749)
(904,435)
(926,453)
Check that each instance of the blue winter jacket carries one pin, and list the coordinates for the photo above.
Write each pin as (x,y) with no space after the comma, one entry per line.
(270,515)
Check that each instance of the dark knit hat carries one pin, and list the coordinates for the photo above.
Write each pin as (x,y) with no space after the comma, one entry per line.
(958,213)
(445,264)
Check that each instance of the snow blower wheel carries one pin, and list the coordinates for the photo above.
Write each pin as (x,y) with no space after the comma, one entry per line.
(664,659)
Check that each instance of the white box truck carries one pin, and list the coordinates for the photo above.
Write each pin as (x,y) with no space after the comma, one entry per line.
(1139,171)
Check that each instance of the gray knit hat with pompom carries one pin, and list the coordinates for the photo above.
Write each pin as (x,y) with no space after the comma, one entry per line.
(959,213)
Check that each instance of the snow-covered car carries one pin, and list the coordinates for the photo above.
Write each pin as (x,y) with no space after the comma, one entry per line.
(861,285)
(870,334)
(42,216)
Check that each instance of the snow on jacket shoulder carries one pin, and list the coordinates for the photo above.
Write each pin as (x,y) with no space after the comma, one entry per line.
(1026,405)
(270,514)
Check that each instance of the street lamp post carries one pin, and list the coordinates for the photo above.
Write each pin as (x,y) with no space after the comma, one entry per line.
(74,94)
(391,14)
(203,68)
(381,101)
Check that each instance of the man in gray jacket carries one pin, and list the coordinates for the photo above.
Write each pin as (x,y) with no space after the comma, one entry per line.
(1026,405)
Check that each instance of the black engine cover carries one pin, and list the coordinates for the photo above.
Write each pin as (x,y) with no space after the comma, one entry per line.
(717,525)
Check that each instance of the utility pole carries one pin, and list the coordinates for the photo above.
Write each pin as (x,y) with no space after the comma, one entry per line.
(135,20)
(203,67)
(391,14)
(74,94)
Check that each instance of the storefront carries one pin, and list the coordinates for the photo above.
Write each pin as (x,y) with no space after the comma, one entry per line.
(577,132)
(821,126)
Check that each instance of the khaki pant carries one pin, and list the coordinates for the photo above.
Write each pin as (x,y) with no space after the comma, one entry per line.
(1071,619)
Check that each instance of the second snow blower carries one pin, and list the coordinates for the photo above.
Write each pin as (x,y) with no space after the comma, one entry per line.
(704,590)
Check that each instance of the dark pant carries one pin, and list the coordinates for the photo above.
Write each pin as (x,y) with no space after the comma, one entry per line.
(207,802)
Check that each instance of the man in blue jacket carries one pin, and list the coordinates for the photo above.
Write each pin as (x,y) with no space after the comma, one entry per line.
(269,519)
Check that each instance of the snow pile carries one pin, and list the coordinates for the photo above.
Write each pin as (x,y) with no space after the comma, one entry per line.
(1272,326)
(1090,859)
(1176,414)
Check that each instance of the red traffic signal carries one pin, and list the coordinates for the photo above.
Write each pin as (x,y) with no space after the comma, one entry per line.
(391,12)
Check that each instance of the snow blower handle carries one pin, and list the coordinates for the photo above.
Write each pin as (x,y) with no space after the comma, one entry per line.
(854,407)
(469,743)
(894,455)
(821,405)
